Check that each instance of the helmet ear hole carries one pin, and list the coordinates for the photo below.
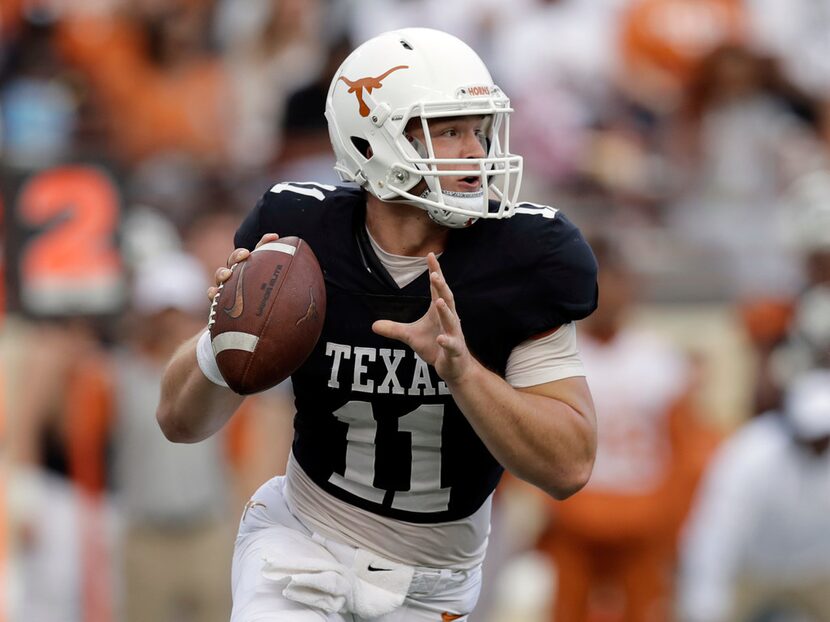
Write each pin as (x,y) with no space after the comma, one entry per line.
(362,146)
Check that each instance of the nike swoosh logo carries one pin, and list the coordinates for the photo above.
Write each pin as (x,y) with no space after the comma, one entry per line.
(372,569)
(449,617)
(235,310)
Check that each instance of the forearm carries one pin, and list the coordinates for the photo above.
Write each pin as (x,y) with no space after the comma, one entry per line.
(546,438)
(192,408)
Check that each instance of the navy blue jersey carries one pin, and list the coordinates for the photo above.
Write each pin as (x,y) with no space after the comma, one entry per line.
(375,425)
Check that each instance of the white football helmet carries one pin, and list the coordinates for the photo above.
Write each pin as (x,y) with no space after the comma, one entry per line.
(418,72)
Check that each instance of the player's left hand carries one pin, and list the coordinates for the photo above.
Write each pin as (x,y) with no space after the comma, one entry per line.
(437,336)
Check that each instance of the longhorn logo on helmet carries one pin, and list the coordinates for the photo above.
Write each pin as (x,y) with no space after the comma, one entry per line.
(369,83)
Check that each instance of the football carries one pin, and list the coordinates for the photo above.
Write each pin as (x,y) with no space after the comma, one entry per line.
(267,317)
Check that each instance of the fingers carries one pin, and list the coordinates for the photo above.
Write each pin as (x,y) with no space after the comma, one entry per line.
(268,237)
(434,270)
(432,263)
(238,254)
(241,254)
(220,276)
(440,289)
(450,324)
(451,338)
(432,267)
(389,329)
(444,302)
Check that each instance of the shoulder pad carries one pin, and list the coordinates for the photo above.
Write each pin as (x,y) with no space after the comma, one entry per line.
(293,208)
(551,250)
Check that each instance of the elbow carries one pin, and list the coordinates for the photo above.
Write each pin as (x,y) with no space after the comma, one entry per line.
(574,475)
(572,481)
(562,491)
(174,428)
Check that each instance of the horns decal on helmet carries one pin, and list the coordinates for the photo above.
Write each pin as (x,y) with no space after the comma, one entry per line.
(369,83)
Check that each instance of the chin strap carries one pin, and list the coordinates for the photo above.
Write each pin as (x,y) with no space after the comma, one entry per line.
(447,218)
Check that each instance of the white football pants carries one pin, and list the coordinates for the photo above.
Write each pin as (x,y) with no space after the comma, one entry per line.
(269,531)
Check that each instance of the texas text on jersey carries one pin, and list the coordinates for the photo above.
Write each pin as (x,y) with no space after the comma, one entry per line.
(375,426)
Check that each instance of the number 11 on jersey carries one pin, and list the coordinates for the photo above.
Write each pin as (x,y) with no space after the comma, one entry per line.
(424,425)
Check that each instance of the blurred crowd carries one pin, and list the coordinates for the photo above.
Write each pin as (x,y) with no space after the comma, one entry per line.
(689,139)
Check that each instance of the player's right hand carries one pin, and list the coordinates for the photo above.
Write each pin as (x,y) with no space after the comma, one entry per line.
(239,254)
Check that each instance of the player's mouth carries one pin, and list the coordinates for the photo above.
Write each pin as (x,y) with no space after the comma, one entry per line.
(469,184)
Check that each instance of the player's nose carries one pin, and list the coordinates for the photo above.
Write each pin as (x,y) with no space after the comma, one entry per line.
(473,146)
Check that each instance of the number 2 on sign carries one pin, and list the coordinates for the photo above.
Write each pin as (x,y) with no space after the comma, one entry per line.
(77,209)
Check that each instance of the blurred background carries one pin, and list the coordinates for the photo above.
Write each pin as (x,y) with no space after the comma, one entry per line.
(689,139)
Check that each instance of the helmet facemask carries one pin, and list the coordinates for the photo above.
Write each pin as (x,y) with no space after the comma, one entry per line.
(499,172)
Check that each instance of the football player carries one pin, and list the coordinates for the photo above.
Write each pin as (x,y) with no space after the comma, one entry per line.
(448,352)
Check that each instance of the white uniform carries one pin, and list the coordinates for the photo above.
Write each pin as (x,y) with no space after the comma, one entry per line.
(761,520)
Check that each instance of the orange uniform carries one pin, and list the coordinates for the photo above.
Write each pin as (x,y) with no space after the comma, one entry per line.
(617,536)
